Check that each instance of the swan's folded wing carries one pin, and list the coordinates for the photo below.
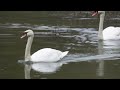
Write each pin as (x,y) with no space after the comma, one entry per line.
(111,33)
(46,55)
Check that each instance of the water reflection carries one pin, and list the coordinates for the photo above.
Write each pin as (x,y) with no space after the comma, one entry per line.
(42,67)
(103,48)
(27,70)
(108,48)
(100,69)
(47,68)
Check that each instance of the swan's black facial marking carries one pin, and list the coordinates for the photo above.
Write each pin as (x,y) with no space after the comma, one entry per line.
(24,34)
(94,13)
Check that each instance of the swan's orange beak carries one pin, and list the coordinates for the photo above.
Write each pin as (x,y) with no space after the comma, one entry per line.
(24,34)
(94,13)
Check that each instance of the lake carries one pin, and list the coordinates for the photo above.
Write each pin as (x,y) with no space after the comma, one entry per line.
(75,31)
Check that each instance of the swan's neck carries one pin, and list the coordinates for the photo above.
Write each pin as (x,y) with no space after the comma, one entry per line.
(28,48)
(100,32)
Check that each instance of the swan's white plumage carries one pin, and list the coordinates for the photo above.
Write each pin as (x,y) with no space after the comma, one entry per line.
(48,55)
(111,33)
(45,54)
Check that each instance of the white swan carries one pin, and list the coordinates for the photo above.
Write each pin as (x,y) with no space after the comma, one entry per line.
(109,32)
(43,55)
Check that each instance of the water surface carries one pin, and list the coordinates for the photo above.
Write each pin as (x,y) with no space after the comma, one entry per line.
(72,31)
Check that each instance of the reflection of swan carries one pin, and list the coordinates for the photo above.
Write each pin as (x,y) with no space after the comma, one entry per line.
(45,54)
(42,67)
(109,32)
(27,70)
(100,69)
(111,46)
(46,67)
(108,48)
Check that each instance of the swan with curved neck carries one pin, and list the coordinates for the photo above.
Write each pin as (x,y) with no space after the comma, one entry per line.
(109,32)
(42,55)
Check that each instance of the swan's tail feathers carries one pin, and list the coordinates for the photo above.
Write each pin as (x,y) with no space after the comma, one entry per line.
(64,54)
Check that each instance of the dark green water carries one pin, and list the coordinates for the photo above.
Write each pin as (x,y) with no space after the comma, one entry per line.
(72,31)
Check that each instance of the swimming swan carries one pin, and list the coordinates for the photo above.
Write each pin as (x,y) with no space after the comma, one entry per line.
(109,32)
(42,55)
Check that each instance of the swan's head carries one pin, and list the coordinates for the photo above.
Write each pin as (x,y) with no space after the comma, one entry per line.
(98,12)
(28,33)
